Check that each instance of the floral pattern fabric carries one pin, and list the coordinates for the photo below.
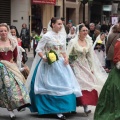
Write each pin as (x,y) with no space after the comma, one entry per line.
(13,93)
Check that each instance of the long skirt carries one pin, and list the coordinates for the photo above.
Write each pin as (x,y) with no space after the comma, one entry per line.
(88,98)
(108,106)
(46,102)
(13,94)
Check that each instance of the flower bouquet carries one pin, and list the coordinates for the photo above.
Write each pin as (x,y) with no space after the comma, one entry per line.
(51,57)
(72,58)
(37,38)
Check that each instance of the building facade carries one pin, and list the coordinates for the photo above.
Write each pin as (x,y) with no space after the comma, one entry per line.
(37,15)
(42,13)
(104,10)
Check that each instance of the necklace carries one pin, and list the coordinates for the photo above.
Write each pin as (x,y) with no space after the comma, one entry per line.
(82,42)
(81,39)
(4,40)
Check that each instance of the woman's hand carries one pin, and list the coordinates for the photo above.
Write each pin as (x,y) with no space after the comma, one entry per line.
(92,72)
(42,56)
(44,59)
(12,61)
(66,61)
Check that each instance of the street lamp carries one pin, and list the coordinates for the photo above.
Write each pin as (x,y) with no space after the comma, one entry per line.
(84,2)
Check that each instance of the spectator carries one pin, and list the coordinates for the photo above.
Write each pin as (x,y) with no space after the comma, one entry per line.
(91,31)
(25,37)
(104,27)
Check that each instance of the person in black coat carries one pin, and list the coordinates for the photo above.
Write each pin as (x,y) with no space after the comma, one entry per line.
(25,37)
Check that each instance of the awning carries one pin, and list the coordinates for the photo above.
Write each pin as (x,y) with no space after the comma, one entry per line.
(44,2)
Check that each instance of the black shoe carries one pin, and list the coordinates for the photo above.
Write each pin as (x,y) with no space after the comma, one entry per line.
(62,117)
(87,112)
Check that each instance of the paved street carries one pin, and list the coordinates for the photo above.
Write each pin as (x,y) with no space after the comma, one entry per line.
(27,115)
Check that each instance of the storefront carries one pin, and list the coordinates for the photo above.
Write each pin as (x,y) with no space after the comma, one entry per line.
(41,13)
(72,11)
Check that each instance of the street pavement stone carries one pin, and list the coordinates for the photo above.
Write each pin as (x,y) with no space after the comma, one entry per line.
(27,115)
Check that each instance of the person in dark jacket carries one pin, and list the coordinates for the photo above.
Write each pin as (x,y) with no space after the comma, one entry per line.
(25,37)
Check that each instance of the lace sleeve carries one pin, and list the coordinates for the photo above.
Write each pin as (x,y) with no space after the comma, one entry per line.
(41,44)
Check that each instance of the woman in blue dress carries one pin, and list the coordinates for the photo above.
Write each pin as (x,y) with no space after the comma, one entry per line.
(53,87)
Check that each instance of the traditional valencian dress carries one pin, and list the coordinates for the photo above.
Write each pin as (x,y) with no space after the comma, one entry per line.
(84,66)
(53,88)
(13,94)
(99,48)
(108,107)
(100,52)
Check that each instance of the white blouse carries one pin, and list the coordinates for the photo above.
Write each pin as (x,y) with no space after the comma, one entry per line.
(52,40)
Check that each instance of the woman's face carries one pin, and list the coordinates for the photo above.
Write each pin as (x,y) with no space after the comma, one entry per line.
(102,37)
(57,26)
(72,30)
(13,32)
(83,32)
(44,31)
(3,32)
(24,25)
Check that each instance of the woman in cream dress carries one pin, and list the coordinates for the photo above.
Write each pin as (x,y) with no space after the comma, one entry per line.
(87,68)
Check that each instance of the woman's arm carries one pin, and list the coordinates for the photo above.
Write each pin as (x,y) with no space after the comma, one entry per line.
(66,61)
(42,56)
(40,47)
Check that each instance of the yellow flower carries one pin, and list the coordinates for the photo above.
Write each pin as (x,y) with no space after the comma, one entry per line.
(52,57)
(99,41)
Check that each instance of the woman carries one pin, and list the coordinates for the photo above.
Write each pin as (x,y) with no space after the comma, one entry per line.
(25,37)
(20,60)
(53,87)
(72,33)
(44,30)
(90,77)
(13,94)
(14,32)
(108,107)
(99,48)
